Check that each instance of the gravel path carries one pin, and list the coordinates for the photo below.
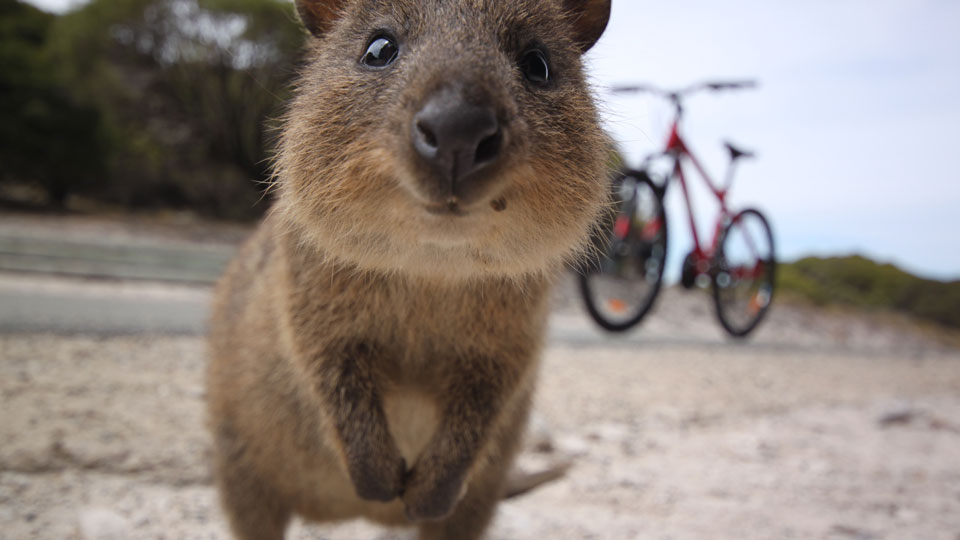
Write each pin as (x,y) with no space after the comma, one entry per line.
(103,438)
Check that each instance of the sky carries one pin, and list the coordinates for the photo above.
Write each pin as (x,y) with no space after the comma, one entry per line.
(855,120)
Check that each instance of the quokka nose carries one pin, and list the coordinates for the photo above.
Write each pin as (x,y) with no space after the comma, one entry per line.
(456,138)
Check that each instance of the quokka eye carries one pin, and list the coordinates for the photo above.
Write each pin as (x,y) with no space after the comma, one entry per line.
(381,52)
(535,68)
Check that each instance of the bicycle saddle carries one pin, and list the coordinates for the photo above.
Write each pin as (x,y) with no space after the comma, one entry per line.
(737,153)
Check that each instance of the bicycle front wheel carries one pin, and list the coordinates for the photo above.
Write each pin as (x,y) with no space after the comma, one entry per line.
(620,287)
(744,270)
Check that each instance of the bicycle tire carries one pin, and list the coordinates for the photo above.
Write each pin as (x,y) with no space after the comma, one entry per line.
(645,247)
(736,271)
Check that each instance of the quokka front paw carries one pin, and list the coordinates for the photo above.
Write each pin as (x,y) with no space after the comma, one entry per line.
(378,478)
(429,496)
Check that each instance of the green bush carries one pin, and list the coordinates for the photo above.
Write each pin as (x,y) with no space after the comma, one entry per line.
(861,282)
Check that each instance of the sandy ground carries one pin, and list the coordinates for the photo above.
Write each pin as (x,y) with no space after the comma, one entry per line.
(105,436)
(825,425)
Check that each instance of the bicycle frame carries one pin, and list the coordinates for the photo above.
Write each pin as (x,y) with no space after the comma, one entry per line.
(677,149)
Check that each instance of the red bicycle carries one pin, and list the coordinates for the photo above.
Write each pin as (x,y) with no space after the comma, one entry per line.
(621,285)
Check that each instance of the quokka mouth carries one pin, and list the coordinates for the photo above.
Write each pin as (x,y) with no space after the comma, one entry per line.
(452,207)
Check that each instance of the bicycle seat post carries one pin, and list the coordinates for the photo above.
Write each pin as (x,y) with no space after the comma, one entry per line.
(730,169)
(735,155)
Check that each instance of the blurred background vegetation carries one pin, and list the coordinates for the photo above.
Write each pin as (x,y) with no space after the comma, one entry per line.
(144,104)
(859,282)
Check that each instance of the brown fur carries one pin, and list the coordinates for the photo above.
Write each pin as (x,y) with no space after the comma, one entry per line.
(370,357)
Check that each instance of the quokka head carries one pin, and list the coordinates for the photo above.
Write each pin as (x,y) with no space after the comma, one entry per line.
(450,139)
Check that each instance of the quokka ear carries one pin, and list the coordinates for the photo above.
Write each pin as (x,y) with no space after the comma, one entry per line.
(589,18)
(318,15)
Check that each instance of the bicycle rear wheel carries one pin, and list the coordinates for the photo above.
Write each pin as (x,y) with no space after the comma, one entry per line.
(620,286)
(744,271)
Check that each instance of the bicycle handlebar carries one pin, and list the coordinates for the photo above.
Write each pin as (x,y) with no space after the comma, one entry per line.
(675,95)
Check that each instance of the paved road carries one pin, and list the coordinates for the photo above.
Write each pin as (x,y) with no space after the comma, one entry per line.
(49,304)
(35,303)
(139,259)
(83,284)
(65,305)
(106,286)
(116,285)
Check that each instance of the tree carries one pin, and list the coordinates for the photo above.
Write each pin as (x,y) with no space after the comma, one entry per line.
(185,88)
(46,138)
